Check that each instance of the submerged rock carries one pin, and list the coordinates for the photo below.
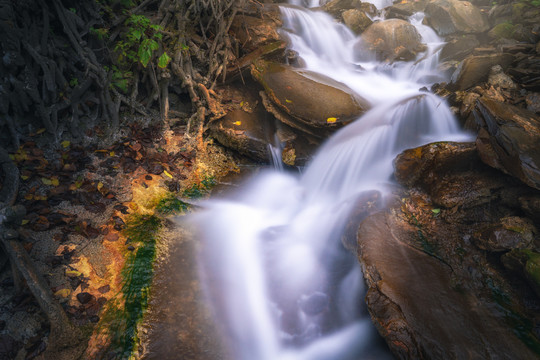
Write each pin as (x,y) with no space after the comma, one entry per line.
(391,40)
(510,140)
(312,101)
(455,16)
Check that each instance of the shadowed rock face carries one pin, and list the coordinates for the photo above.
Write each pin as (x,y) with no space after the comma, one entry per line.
(441,282)
(510,140)
(392,40)
(475,69)
(310,99)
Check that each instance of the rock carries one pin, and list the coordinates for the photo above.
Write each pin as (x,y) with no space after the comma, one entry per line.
(533,102)
(8,347)
(418,166)
(356,20)
(445,170)
(475,69)
(510,140)
(336,7)
(312,100)
(526,263)
(422,306)
(530,204)
(455,16)
(510,233)
(254,32)
(498,78)
(391,40)
(243,132)
(85,297)
(458,47)
(405,9)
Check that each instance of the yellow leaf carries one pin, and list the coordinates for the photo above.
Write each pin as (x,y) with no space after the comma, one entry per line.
(237,123)
(28,197)
(331,120)
(25,177)
(55,181)
(46,181)
(66,143)
(25,221)
(63,293)
(111,153)
(40,131)
(73,273)
(40,197)
(242,104)
(288,101)
(167,173)
(99,185)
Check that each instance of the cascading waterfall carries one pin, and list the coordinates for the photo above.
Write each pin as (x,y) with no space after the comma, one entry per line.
(278,277)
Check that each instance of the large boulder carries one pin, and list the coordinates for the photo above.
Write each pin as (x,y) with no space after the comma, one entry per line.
(336,7)
(510,139)
(311,101)
(455,16)
(458,47)
(475,69)
(391,40)
(436,287)
(356,20)
(424,306)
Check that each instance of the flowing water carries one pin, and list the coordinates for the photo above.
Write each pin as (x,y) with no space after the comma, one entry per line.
(280,282)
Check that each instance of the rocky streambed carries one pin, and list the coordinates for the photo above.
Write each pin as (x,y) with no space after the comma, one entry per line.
(453,262)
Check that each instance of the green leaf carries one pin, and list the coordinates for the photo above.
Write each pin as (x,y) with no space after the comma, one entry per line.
(136,34)
(153,45)
(436,211)
(164,60)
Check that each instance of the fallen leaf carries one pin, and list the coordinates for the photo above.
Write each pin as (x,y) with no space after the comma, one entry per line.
(46,181)
(99,185)
(237,123)
(55,181)
(25,177)
(25,221)
(73,273)
(66,143)
(167,174)
(40,131)
(288,101)
(28,197)
(63,293)
(331,120)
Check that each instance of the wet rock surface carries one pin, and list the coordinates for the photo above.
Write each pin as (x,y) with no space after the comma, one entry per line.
(392,40)
(311,99)
(451,266)
(510,140)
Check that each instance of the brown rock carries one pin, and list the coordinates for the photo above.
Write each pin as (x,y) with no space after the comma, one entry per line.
(391,40)
(511,140)
(415,305)
(458,47)
(510,233)
(475,69)
(455,16)
(254,32)
(356,20)
(311,99)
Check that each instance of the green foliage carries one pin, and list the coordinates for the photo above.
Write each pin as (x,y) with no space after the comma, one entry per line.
(140,42)
(73,82)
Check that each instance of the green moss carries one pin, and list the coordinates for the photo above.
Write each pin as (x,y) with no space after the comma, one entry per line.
(123,319)
(197,191)
(504,30)
(171,205)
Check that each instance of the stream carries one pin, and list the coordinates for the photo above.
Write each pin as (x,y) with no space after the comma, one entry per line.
(280,283)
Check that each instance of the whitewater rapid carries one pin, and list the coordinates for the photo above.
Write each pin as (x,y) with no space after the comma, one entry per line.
(280,282)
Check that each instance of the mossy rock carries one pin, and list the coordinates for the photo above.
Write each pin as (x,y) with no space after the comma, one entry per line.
(504,30)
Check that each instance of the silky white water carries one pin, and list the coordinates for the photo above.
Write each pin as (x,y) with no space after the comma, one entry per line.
(279,280)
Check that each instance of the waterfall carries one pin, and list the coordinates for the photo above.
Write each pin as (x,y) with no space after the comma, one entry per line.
(280,281)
